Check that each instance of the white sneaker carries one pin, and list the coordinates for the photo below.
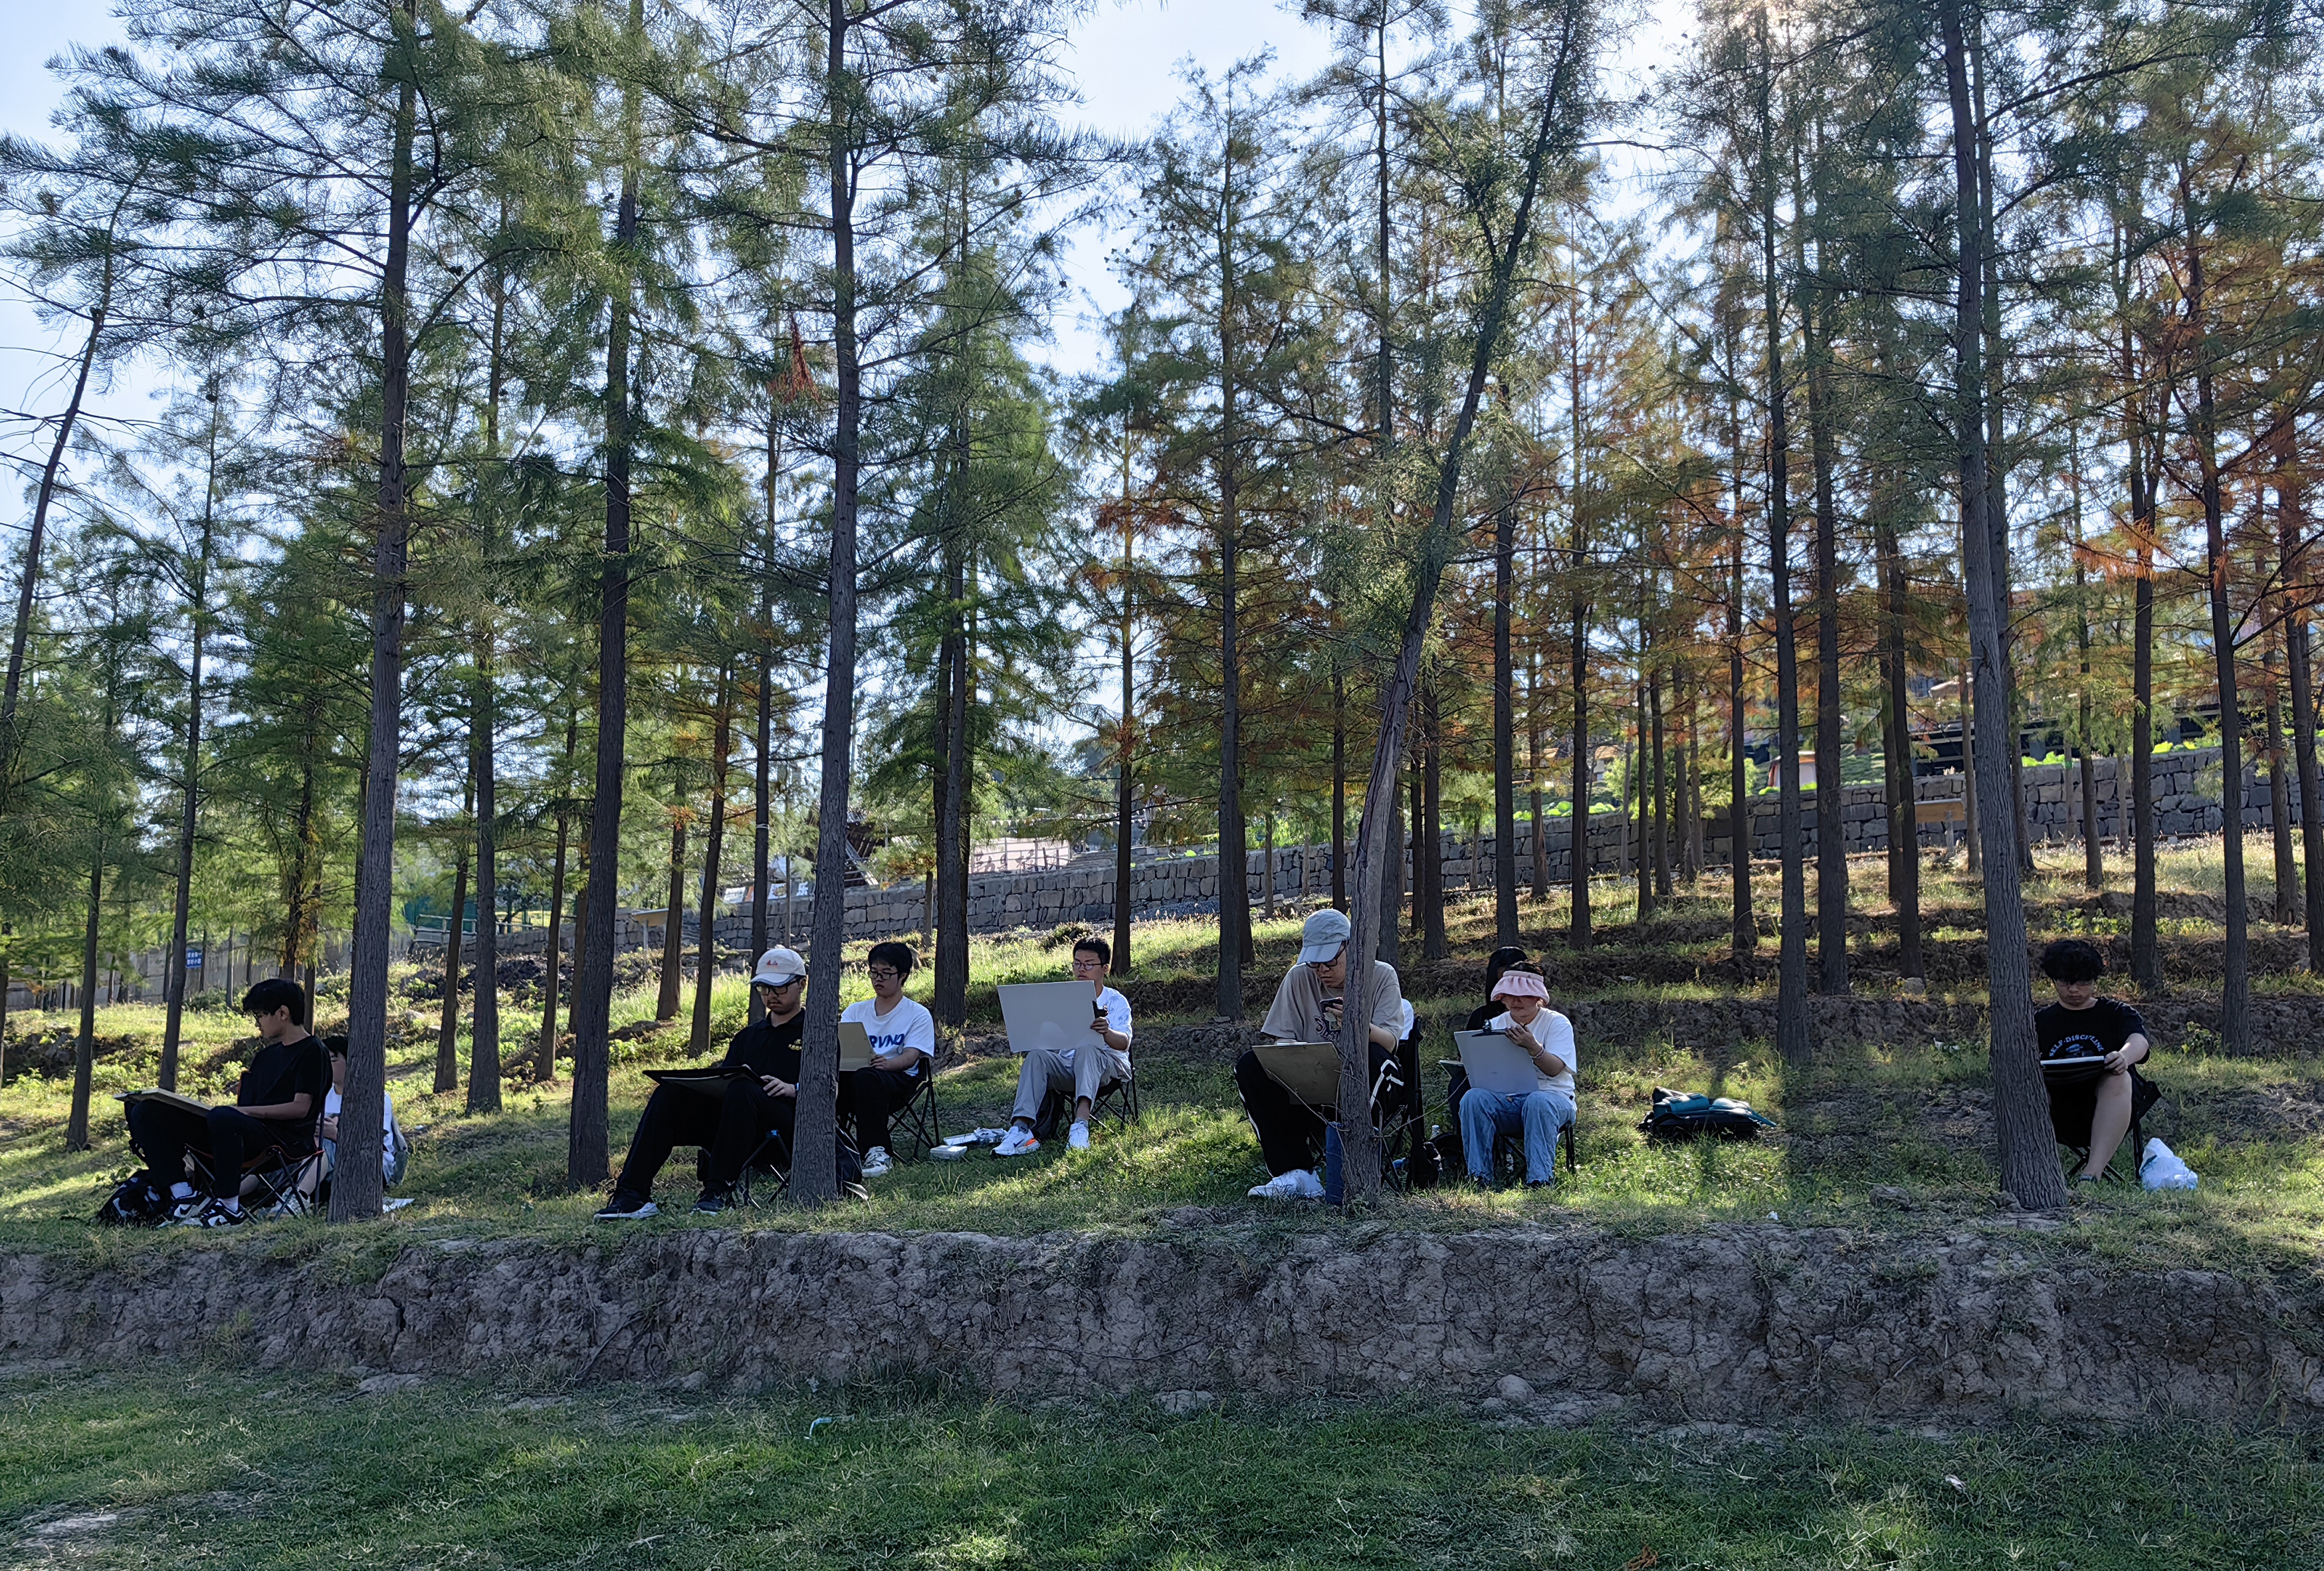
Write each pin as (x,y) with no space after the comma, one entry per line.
(1298,1184)
(878,1163)
(1077,1137)
(1016,1143)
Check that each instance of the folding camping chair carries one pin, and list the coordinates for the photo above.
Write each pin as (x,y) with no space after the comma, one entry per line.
(1508,1151)
(2144,1095)
(276,1181)
(916,1116)
(1116,1100)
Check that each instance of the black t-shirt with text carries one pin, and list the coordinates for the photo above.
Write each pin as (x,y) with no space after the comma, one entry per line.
(768,1049)
(2092,1032)
(283,1069)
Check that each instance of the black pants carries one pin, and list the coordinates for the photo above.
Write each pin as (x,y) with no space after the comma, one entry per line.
(731,1128)
(871,1096)
(225,1136)
(1290,1133)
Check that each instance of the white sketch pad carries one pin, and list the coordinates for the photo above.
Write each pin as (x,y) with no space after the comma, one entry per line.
(1496,1064)
(1048,1014)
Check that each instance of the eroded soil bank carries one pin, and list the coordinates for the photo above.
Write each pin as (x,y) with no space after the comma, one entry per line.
(1730,1324)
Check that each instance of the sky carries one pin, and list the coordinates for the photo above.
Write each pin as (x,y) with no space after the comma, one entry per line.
(1125,54)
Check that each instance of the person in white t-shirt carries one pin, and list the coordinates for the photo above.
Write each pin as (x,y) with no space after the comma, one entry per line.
(394,1148)
(903,1048)
(1082,1069)
(1537,1116)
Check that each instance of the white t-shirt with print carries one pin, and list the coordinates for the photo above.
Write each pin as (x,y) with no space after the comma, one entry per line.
(908,1025)
(1554,1032)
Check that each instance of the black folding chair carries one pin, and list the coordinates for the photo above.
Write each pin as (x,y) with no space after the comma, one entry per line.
(917,1115)
(1508,1151)
(1116,1102)
(771,1162)
(2144,1095)
(275,1179)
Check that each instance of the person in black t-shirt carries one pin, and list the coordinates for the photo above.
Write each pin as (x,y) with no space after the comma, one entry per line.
(277,1104)
(732,1127)
(2096,1111)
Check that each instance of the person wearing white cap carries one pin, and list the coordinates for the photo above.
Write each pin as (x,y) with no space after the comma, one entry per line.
(1307,1008)
(1538,1115)
(732,1127)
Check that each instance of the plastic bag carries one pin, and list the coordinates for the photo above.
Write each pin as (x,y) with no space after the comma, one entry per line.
(2161,1169)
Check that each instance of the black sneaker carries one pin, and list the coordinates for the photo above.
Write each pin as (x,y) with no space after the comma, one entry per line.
(712,1203)
(624,1208)
(215,1214)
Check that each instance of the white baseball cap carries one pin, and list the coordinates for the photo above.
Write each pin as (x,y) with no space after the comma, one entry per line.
(779,965)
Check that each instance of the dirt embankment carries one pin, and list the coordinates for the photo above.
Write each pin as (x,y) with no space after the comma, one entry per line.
(1739,1323)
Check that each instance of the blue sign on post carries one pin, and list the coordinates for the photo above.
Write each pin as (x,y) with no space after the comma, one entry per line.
(193,959)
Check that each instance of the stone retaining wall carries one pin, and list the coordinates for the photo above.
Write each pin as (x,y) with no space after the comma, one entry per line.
(1740,1324)
(1303,873)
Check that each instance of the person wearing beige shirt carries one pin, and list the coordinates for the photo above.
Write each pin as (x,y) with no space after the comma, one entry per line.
(1309,1005)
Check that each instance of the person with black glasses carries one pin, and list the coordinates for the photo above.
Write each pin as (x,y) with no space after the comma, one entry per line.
(730,1127)
(903,1048)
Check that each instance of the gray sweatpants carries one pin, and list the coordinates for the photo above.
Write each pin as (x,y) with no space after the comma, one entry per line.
(1081,1070)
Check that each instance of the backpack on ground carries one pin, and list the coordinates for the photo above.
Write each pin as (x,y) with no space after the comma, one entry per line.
(1690,1115)
(135,1202)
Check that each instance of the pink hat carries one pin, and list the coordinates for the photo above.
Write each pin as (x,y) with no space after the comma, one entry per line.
(1520,985)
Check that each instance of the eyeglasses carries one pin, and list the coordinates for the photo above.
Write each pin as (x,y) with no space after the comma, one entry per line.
(1088,962)
(881,973)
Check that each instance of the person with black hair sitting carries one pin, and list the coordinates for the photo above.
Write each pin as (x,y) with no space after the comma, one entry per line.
(277,1104)
(903,1048)
(1083,1070)
(733,1126)
(2096,1109)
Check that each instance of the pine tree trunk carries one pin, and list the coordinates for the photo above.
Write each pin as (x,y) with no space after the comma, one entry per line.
(448,1029)
(954,777)
(1540,837)
(1125,799)
(1577,919)
(85,1046)
(813,1180)
(1832,723)
(190,800)
(2298,577)
(1339,790)
(484,1018)
(673,922)
(1793,1038)
(1505,760)
(1435,944)
(1743,928)
(356,1191)
(591,1012)
(545,1060)
(1896,750)
(705,951)
(2028,1153)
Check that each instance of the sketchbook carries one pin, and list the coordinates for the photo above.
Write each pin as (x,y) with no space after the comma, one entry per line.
(1048,1014)
(1308,1070)
(710,1081)
(167,1099)
(1496,1064)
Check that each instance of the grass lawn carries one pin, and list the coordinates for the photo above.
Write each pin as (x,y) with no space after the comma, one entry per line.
(258,1472)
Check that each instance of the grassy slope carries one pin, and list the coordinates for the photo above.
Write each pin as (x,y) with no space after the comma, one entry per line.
(275,1475)
(1906,1114)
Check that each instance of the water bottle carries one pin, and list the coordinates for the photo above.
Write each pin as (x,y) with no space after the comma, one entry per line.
(1334,1181)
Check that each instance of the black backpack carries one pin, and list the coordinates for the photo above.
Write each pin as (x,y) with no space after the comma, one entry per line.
(135,1202)
(1690,1115)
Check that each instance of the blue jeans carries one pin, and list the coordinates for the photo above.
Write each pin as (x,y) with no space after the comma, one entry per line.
(1535,1117)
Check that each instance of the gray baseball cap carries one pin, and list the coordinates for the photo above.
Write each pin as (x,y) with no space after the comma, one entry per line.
(1325,935)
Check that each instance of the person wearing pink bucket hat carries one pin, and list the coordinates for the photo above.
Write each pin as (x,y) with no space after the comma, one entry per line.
(1537,1116)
